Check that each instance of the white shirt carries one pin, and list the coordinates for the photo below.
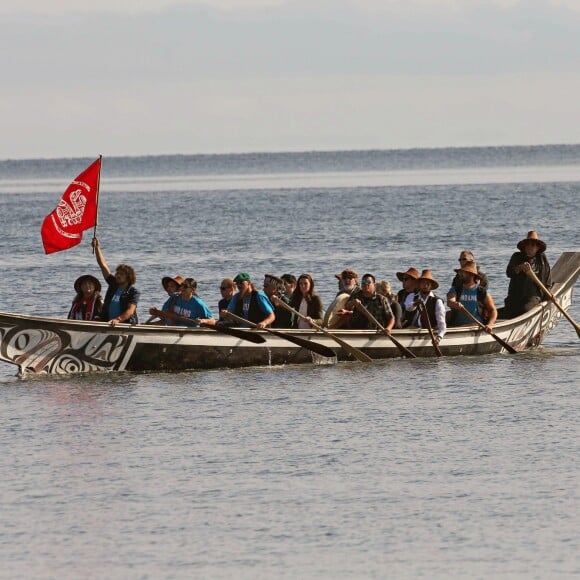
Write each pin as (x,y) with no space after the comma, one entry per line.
(304,311)
(439,311)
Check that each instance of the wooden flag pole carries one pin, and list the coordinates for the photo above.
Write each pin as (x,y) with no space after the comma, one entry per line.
(97,198)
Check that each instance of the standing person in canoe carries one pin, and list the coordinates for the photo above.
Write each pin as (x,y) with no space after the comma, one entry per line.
(523,293)
(88,303)
(122,297)
(251,304)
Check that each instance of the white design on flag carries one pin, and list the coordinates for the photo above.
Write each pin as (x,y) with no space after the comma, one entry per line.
(72,214)
(62,232)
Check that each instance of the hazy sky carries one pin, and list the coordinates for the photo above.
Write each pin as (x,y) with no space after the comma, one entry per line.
(134,77)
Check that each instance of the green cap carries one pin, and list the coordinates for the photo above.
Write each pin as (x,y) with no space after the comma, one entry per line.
(242,277)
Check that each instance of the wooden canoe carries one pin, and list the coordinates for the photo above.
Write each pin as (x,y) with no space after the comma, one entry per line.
(45,345)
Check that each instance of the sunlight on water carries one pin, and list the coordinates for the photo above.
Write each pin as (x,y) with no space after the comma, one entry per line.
(312,179)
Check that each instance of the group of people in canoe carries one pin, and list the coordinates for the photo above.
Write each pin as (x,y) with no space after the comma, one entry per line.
(361,302)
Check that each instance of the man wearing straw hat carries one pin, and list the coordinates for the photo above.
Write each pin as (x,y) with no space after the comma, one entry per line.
(523,293)
(434,306)
(469,295)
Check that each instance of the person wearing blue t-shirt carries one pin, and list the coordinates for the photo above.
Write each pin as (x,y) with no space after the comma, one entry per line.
(472,298)
(186,308)
(122,297)
(250,303)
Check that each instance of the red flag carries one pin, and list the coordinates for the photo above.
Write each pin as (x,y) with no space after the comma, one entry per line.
(76,212)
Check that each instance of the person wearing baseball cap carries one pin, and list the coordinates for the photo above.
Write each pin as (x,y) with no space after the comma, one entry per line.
(250,303)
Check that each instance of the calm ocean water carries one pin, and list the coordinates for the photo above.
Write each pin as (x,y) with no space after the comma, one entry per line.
(451,468)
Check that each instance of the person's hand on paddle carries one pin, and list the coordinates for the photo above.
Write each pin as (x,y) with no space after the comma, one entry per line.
(454,305)
(344,312)
(523,267)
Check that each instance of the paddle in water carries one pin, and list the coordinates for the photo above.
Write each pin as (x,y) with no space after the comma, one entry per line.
(353,351)
(307,344)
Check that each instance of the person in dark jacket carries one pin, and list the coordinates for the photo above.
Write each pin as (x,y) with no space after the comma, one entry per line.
(523,293)
(409,280)
(275,287)
(122,297)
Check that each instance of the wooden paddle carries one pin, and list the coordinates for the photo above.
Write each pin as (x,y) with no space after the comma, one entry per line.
(313,346)
(404,350)
(242,334)
(509,348)
(355,352)
(425,315)
(541,286)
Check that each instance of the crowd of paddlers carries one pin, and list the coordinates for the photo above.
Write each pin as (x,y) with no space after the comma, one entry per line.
(361,302)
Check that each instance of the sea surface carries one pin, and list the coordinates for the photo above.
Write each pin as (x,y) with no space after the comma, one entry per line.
(444,468)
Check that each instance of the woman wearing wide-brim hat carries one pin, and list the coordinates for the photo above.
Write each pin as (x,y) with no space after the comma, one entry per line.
(409,280)
(523,293)
(172,286)
(88,303)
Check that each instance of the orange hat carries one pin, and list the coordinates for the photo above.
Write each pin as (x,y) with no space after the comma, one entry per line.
(470,267)
(427,275)
(166,279)
(411,272)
